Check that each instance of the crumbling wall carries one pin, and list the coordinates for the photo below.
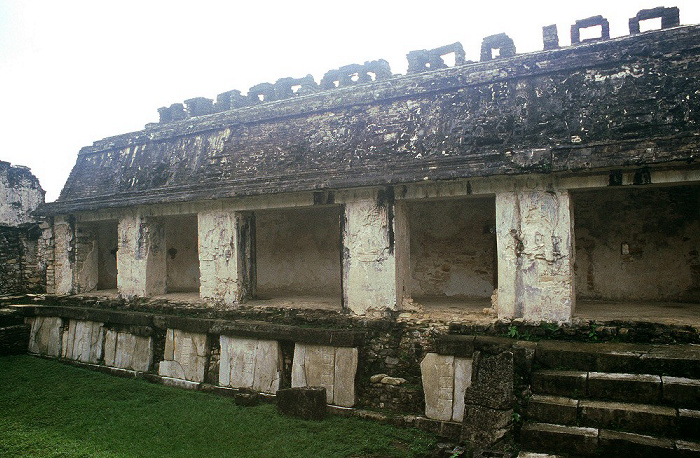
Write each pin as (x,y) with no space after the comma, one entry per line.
(107,244)
(21,269)
(182,260)
(638,243)
(453,247)
(298,251)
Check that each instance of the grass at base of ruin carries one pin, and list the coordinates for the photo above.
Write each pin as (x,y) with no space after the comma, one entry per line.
(52,409)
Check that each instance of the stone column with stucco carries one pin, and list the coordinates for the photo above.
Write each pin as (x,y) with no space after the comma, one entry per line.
(535,253)
(226,255)
(373,277)
(86,259)
(63,255)
(141,257)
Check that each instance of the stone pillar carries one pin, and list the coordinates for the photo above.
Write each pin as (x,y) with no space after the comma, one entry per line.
(402,250)
(535,254)
(86,262)
(370,271)
(141,257)
(63,255)
(226,256)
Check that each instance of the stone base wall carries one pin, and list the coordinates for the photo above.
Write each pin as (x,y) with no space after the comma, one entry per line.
(452,375)
(14,339)
(20,269)
(191,356)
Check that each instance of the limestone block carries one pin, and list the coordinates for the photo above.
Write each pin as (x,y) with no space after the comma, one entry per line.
(110,347)
(83,341)
(127,351)
(306,403)
(535,254)
(369,273)
(463,380)
(333,368)
(186,355)
(437,374)
(45,336)
(141,256)
(493,382)
(344,376)
(63,241)
(250,363)
(218,260)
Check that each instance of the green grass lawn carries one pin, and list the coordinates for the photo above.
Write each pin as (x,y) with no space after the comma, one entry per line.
(51,409)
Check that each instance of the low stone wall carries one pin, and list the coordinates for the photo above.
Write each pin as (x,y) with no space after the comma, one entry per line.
(180,349)
(449,378)
(14,339)
(20,269)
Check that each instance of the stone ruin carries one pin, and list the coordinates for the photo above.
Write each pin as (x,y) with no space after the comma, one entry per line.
(23,256)
(374,229)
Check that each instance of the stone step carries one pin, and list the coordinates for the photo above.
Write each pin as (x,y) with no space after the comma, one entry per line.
(681,392)
(548,440)
(618,443)
(638,388)
(671,360)
(551,438)
(553,409)
(638,418)
(560,383)
(687,449)
(678,392)
(689,424)
(623,416)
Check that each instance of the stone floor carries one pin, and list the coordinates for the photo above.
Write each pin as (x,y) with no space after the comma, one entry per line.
(450,309)
(676,313)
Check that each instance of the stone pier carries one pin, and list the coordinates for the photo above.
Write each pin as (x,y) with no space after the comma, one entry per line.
(534,227)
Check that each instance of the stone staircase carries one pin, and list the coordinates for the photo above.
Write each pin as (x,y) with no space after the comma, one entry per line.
(614,400)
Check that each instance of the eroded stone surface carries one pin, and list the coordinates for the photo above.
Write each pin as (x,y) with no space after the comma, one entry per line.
(45,336)
(308,403)
(437,373)
(63,273)
(218,260)
(463,380)
(141,260)
(369,264)
(250,363)
(535,255)
(83,341)
(185,355)
(333,368)
(128,351)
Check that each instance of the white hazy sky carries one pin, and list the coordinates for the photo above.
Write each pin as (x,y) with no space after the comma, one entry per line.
(72,72)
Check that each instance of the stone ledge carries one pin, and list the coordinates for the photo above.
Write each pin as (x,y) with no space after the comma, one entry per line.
(242,328)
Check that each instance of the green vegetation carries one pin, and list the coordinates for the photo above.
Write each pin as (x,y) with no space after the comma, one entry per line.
(51,409)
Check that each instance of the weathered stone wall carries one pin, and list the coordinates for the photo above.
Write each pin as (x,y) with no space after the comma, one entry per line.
(182,260)
(20,195)
(222,264)
(535,253)
(369,254)
(85,249)
(641,243)
(141,257)
(21,270)
(453,247)
(107,254)
(298,251)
